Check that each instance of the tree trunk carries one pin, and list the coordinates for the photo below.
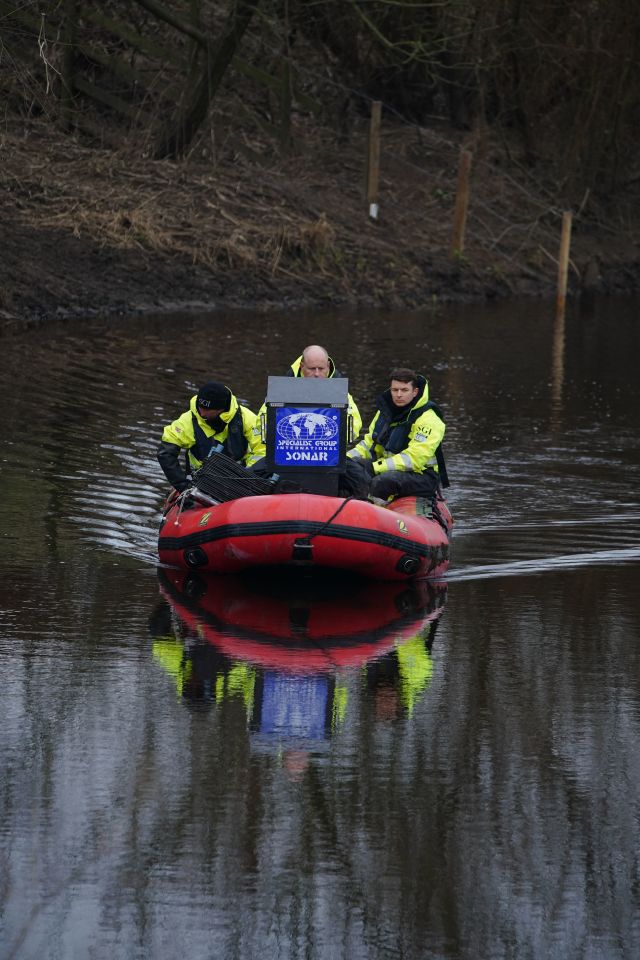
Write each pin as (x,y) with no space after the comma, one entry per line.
(71,11)
(176,140)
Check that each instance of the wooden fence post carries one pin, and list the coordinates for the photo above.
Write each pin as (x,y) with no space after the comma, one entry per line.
(557,367)
(373,159)
(563,263)
(462,203)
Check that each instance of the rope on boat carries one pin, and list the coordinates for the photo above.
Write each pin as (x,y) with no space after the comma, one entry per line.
(330,520)
(303,547)
(180,500)
(223,479)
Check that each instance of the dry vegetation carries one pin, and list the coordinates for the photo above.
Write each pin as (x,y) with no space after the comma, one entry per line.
(92,222)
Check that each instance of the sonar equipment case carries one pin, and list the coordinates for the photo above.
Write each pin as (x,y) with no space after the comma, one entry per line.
(307,429)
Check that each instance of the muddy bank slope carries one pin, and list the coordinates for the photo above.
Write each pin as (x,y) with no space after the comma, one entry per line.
(87,230)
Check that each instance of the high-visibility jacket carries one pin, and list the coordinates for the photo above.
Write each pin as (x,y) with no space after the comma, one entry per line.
(403,440)
(192,433)
(295,371)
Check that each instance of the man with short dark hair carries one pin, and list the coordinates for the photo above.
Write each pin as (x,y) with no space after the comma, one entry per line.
(399,449)
(215,420)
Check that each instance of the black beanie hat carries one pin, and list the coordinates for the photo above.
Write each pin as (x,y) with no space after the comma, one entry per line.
(214,396)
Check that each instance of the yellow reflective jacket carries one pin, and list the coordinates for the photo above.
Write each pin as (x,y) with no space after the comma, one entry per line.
(182,434)
(402,441)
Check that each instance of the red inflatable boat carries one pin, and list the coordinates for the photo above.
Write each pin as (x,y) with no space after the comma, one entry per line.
(301,628)
(407,538)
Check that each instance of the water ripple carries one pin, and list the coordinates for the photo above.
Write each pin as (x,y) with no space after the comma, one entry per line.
(545,564)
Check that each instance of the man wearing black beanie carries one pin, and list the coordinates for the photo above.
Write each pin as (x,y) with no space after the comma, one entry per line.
(214,421)
(214,396)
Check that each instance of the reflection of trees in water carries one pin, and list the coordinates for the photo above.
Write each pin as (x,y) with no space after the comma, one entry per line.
(532,774)
(477,816)
(498,820)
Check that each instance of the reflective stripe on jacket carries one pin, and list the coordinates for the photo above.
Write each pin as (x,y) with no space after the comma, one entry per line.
(403,441)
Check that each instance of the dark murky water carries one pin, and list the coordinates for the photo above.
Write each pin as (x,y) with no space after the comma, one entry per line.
(230,769)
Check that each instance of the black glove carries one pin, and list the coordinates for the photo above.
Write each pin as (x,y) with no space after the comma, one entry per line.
(367,466)
(181,485)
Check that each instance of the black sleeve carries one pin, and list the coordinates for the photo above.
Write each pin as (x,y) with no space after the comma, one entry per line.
(169,459)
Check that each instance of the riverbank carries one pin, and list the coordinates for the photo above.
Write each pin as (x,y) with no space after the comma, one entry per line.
(89,231)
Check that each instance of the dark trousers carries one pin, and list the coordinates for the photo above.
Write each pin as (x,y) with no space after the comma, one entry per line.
(398,483)
(354,482)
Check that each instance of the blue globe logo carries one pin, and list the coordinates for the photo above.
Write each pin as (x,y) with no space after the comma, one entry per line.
(308,426)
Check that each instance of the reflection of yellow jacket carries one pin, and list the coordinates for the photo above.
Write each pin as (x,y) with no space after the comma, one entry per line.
(258,450)
(239,681)
(415,668)
(181,432)
(398,441)
(169,653)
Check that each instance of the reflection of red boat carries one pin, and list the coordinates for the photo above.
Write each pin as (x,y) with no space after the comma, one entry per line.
(313,627)
(405,539)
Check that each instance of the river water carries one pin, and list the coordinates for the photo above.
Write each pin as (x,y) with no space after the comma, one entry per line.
(240,768)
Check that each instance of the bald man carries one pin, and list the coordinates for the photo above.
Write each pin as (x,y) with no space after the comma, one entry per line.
(314,361)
